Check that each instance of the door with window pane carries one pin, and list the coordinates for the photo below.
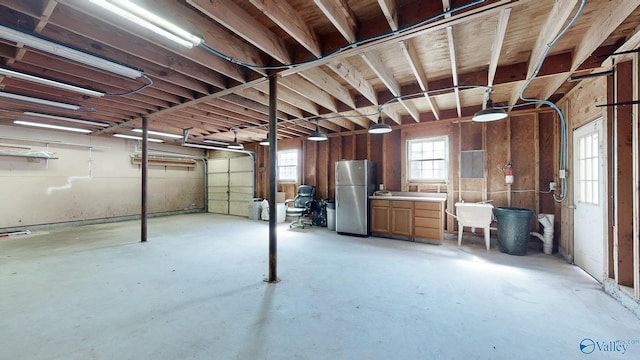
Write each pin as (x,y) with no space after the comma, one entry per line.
(589,213)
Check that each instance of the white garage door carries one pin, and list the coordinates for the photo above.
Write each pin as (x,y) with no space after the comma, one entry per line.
(230,185)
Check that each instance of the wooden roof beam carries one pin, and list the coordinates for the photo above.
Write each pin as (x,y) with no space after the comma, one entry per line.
(283,14)
(389,9)
(501,31)
(611,15)
(349,73)
(413,60)
(454,68)
(324,81)
(232,16)
(341,16)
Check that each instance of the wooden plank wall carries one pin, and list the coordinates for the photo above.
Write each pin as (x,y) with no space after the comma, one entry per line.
(515,140)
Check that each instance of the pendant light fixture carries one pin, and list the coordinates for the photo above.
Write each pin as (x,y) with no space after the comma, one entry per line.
(317,135)
(265,142)
(489,113)
(235,144)
(380,127)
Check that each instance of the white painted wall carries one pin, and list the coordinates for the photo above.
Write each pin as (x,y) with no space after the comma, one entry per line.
(88,183)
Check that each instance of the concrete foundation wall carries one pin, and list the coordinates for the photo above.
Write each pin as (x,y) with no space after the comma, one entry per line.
(92,178)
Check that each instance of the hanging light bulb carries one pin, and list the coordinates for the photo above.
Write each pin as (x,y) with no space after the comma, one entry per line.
(317,135)
(489,113)
(380,127)
(265,142)
(235,144)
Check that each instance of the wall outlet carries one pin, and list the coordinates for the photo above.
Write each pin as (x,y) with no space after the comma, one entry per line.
(552,186)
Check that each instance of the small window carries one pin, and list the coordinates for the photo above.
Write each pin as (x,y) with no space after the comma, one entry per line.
(288,165)
(588,166)
(428,159)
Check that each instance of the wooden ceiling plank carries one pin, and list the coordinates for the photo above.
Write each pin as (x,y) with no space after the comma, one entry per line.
(417,69)
(501,32)
(308,90)
(213,33)
(349,73)
(411,109)
(454,68)
(611,15)
(47,10)
(78,20)
(285,16)
(341,16)
(324,81)
(252,105)
(262,98)
(380,69)
(390,13)
(287,95)
(227,13)
(474,14)
(631,43)
(557,18)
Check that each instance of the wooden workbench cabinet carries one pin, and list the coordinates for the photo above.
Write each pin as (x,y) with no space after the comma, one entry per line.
(421,221)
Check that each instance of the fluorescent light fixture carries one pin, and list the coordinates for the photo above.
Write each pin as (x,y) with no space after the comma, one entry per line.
(47,82)
(68,52)
(380,127)
(489,113)
(123,136)
(64,118)
(39,101)
(50,126)
(209,141)
(159,133)
(150,21)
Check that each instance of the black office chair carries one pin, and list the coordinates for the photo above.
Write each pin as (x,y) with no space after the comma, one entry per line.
(303,205)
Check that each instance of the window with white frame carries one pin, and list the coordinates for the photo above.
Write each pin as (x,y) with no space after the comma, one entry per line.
(428,159)
(588,166)
(288,165)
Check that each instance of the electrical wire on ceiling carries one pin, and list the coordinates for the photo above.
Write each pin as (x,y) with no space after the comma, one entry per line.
(149,83)
(563,124)
(344,48)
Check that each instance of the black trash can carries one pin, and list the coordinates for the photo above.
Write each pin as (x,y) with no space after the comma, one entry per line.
(514,226)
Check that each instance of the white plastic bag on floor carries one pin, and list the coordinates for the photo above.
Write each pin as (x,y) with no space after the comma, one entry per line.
(265,209)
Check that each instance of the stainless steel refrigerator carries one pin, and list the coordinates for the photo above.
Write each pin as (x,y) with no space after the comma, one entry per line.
(355,182)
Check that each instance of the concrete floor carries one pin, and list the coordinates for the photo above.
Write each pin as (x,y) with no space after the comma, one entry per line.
(195,290)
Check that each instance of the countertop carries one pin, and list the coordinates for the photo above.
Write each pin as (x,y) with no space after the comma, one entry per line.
(408,196)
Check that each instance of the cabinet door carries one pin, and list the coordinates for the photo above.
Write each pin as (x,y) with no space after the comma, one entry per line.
(380,219)
(401,221)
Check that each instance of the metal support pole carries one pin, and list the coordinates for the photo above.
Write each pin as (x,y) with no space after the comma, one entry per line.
(145,165)
(273,172)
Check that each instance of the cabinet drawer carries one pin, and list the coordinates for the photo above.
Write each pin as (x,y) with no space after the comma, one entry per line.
(381,203)
(402,204)
(427,222)
(424,205)
(427,213)
(428,233)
